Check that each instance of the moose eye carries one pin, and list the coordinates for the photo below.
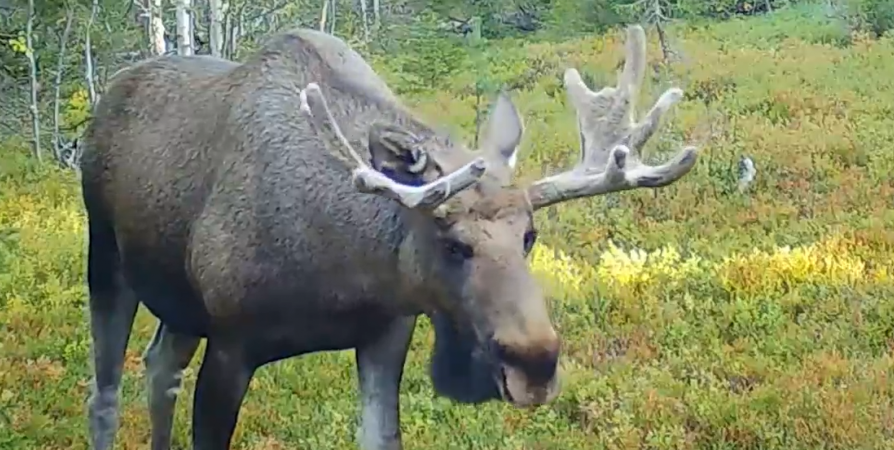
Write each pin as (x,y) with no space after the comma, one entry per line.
(458,251)
(530,239)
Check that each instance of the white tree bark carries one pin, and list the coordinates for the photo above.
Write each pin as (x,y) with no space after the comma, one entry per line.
(57,86)
(156,28)
(88,56)
(233,29)
(32,63)
(324,14)
(216,30)
(327,16)
(333,4)
(377,13)
(184,28)
(365,20)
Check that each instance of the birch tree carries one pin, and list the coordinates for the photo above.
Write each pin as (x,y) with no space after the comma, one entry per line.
(364,20)
(216,30)
(376,14)
(324,14)
(655,12)
(156,28)
(233,28)
(88,55)
(184,28)
(32,64)
(327,16)
(57,85)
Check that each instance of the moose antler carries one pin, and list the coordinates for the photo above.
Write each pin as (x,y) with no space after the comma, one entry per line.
(611,140)
(368,180)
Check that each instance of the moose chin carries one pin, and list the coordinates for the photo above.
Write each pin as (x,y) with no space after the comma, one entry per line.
(468,371)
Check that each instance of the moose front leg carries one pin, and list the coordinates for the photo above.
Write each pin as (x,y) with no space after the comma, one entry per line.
(221,386)
(380,365)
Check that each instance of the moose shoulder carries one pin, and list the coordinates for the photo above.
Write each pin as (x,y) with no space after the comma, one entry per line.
(291,204)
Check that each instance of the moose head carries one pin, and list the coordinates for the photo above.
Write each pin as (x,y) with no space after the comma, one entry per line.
(472,227)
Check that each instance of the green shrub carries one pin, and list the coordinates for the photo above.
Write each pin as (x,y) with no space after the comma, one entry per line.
(871,16)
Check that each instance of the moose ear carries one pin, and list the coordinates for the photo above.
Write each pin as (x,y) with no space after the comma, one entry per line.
(395,154)
(504,131)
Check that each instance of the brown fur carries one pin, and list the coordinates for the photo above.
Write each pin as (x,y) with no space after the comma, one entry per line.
(230,218)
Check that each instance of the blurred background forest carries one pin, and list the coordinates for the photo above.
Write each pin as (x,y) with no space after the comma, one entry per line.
(57,55)
(748,306)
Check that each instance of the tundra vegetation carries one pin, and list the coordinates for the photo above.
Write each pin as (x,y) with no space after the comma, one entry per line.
(698,316)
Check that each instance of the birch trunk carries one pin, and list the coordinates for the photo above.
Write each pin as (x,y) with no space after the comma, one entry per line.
(376,13)
(32,63)
(216,30)
(324,14)
(184,28)
(88,55)
(57,87)
(236,32)
(365,20)
(333,4)
(156,28)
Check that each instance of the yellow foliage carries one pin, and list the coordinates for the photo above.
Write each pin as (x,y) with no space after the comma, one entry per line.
(636,269)
(829,262)
(47,270)
(564,278)
(78,108)
(19,45)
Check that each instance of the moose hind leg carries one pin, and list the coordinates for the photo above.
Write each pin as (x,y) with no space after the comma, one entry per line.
(380,365)
(167,354)
(112,311)
(221,386)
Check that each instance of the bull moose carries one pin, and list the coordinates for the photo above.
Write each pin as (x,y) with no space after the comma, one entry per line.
(292,204)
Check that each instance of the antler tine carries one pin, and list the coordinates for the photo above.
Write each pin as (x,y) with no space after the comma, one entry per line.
(371,181)
(327,122)
(611,139)
(634,63)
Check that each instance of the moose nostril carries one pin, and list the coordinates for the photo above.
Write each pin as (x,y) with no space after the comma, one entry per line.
(538,364)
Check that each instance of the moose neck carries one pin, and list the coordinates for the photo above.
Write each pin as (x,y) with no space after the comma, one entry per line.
(387,232)
(355,106)
(357,113)
(403,229)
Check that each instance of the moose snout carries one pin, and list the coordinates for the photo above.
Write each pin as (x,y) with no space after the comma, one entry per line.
(529,374)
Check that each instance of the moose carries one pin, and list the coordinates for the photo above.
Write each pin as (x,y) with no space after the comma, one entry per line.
(292,204)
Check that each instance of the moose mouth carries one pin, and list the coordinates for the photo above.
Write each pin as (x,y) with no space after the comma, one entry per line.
(503,385)
(514,388)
